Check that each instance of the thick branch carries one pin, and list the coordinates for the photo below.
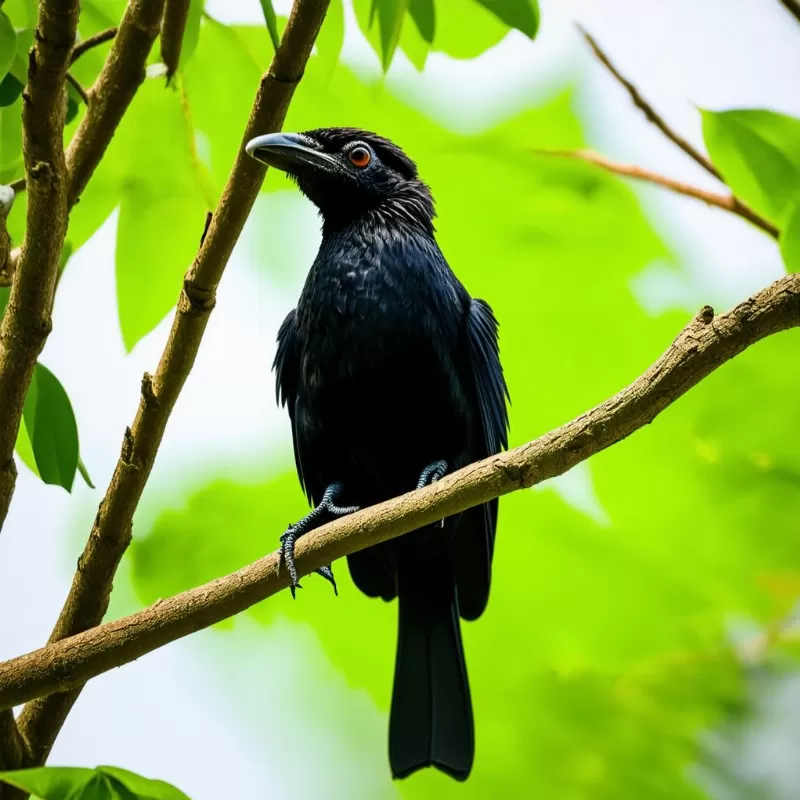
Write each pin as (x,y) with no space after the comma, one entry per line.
(111,533)
(705,344)
(651,114)
(727,202)
(27,322)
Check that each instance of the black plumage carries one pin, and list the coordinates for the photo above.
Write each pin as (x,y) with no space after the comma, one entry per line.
(386,366)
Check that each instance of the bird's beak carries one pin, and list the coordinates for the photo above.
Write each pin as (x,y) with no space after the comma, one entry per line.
(290,152)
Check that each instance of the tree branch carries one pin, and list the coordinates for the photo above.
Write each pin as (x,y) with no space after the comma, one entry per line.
(651,114)
(88,599)
(27,321)
(793,7)
(727,202)
(93,41)
(705,344)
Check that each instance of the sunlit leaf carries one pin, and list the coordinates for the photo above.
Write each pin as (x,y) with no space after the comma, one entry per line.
(8,43)
(51,783)
(143,788)
(223,59)
(465,29)
(51,429)
(520,14)
(413,44)
(790,240)
(758,153)
(191,33)
(160,218)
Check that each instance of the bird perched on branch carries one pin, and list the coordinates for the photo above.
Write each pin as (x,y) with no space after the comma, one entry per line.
(391,375)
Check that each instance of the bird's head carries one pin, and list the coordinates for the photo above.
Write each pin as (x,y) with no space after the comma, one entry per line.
(347,172)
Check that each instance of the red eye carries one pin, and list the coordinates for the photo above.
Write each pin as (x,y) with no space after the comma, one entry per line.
(359,157)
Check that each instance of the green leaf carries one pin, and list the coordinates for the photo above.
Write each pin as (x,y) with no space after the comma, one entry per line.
(390,23)
(5,291)
(191,33)
(162,211)
(520,14)
(758,153)
(424,16)
(790,240)
(331,37)
(465,29)
(50,783)
(10,90)
(19,66)
(51,428)
(414,46)
(8,43)
(23,13)
(272,22)
(143,788)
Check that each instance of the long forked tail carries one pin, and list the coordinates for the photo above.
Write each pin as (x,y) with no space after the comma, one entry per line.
(431,717)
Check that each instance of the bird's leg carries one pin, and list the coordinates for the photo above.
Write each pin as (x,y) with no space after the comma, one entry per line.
(309,522)
(431,474)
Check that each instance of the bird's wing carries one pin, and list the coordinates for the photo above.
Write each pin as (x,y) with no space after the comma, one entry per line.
(286,366)
(476,529)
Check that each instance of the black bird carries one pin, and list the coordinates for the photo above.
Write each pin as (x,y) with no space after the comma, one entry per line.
(391,374)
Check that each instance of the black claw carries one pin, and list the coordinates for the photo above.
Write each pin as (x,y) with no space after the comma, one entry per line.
(327,573)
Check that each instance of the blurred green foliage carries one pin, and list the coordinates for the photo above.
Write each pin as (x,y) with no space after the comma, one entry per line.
(605,656)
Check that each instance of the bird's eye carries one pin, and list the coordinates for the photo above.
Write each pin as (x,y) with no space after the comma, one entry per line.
(359,157)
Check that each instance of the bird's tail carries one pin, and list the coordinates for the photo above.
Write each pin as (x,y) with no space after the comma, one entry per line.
(431,717)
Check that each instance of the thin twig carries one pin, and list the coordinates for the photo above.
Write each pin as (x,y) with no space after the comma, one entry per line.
(88,599)
(793,7)
(727,202)
(706,343)
(651,114)
(76,85)
(93,41)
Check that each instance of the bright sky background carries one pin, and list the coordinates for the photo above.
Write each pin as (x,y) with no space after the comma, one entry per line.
(214,728)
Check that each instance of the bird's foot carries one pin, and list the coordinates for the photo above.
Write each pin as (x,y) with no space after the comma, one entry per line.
(312,520)
(431,474)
